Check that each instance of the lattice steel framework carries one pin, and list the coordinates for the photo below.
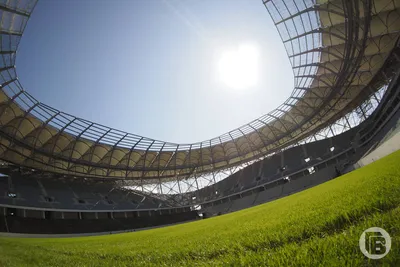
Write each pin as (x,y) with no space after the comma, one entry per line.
(339,51)
(181,192)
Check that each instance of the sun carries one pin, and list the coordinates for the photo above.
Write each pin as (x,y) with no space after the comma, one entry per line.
(238,68)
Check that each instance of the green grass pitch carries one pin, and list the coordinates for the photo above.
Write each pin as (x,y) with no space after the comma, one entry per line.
(320,226)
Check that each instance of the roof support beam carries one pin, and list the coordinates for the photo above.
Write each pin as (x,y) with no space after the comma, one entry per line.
(15,11)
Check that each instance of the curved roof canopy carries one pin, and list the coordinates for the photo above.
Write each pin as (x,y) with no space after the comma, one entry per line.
(338,51)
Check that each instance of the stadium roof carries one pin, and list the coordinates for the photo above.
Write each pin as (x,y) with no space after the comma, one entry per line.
(339,52)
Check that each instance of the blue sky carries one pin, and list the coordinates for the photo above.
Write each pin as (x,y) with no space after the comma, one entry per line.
(149,67)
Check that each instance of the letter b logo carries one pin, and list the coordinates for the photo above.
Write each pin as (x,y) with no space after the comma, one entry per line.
(375,243)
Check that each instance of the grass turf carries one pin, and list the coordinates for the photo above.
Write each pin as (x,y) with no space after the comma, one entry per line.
(320,226)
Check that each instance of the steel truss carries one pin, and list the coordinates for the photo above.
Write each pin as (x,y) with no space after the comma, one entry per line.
(182,192)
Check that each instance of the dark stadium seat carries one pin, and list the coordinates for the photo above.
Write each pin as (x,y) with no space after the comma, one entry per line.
(271,166)
(16,224)
(67,194)
(294,158)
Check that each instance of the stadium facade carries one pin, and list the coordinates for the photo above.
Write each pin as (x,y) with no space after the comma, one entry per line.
(345,59)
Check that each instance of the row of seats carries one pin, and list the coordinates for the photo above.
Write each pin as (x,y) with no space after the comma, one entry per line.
(28,191)
(17,224)
(279,165)
(271,192)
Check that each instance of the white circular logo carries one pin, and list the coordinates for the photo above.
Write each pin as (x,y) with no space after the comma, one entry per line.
(375,243)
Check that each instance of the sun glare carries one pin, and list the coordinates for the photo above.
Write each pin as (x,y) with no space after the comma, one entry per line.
(238,68)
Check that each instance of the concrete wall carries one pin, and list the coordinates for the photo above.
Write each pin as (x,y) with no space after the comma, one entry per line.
(389,146)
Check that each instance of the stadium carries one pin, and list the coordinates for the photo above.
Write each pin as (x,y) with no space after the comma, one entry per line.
(290,187)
